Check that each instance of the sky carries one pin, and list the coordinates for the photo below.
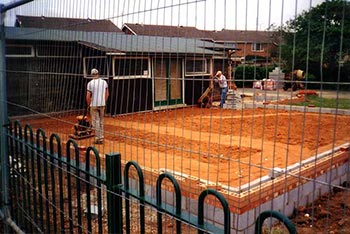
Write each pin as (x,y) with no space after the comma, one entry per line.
(203,14)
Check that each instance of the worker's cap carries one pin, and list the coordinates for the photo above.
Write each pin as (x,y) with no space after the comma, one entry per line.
(94,71)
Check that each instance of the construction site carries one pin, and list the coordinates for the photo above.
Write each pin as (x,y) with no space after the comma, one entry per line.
(130,117)
(252,156)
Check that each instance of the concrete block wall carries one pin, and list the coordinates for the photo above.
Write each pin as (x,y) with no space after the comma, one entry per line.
(285,203)
(284,193)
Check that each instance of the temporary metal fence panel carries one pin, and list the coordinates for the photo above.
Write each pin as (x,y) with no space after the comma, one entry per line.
(186,162)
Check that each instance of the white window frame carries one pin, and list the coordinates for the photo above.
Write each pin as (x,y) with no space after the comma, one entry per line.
(147,76)
(207,63)
(21,55)
(254,45)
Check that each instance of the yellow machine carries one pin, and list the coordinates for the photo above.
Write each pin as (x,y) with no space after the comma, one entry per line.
(83,128)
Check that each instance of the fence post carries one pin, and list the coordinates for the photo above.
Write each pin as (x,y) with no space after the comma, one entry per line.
(4,207)
(4,173)
(114,194)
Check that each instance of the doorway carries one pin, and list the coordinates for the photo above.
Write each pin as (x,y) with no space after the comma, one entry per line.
(168,82)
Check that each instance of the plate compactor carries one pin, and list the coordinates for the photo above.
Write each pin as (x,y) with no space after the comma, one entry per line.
(82,129)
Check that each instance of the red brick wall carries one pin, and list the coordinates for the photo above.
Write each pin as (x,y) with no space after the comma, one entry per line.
(246,49)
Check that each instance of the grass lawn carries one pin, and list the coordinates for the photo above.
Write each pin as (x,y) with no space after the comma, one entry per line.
(340,103)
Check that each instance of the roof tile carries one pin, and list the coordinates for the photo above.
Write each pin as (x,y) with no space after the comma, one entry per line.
(224,35)
(87,25)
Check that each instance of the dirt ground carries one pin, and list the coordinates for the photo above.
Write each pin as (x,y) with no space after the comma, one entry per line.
(328,214)
(230,147)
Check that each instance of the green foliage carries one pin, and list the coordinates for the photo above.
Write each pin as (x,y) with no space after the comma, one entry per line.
(318,39)
(256,58)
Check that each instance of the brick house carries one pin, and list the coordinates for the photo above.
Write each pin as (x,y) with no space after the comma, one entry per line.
(252,46)
(256,47)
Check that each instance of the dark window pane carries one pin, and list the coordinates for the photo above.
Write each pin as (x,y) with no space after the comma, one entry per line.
(196,66)
(60,51)
(19,50)
(131,67)
(101,64)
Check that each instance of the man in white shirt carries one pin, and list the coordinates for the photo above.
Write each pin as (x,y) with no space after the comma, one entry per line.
(96,97)
(223,85)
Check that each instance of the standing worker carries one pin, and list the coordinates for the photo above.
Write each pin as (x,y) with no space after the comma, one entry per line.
(223,85)
(96,97)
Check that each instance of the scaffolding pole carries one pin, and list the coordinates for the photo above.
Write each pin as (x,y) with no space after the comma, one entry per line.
(5,214)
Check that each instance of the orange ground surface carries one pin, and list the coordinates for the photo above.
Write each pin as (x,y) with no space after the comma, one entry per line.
(231,147)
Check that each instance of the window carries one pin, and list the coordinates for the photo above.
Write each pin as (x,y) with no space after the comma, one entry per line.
(197,66)
(19,51)
(127,67)
(57,51)
(100,63)
(257,47)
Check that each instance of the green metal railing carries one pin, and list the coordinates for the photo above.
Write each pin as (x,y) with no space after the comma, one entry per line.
(177,201)
(43,196)
(141,195)
(53,190)
(273,214)
(224,204)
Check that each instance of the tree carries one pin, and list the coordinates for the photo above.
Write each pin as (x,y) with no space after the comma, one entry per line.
(318,40)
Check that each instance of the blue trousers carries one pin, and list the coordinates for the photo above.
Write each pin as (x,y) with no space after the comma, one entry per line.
(223,96)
